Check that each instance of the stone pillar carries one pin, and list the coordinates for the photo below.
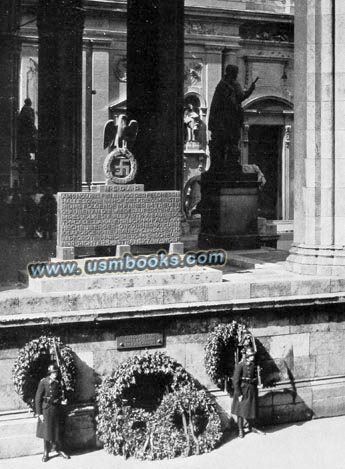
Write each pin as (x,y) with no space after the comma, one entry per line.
(155,37)
(9,66)
(286,171)
(214,58)
(245,142)
(319,228)
(60,29)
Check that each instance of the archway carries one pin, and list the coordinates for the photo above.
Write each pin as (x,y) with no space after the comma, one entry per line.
(266,141)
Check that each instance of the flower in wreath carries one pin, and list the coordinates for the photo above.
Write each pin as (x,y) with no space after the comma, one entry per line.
(32,363)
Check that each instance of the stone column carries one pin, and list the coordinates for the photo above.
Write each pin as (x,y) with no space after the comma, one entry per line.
(155,37)
(9,66)
(60,29)
(286,171)
(319,228)
(245,142)
(214,59)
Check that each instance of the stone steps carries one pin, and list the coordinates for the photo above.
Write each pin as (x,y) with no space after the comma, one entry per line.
(191,276)
(18,432)
(18,436)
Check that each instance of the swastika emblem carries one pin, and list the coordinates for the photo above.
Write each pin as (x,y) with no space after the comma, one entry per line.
(121,167)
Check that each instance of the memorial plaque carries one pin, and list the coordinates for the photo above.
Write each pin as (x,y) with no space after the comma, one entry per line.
(143,340)
(112,218)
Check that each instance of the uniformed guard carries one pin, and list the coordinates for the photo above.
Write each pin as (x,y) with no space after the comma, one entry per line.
(49,397)
(245,382)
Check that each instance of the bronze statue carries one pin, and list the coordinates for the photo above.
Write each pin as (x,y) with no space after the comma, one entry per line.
(226,120)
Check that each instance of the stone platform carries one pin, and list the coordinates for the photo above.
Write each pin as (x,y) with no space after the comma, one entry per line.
(118,294)
(122,215)
(298,319)
(120,280)
(18,429)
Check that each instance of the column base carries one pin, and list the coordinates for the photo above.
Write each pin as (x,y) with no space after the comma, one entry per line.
(317,260)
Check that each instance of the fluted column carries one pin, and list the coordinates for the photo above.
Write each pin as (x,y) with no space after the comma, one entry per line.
(319,225)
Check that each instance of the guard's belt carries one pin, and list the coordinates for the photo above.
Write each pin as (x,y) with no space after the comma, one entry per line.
(250,380)
(50,400)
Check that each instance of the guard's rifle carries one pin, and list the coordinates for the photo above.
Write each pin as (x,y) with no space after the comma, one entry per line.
(61,368)
(258,369)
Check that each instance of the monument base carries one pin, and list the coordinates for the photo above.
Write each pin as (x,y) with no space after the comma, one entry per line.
(229,212)
(228,242)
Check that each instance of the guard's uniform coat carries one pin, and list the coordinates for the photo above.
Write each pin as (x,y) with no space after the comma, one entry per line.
(245,384)
(48,403)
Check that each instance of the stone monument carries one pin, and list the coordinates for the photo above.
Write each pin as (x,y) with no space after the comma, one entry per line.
(229,195)
(118,213)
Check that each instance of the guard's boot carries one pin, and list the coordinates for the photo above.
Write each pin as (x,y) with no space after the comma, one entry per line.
(240,427)
(45,456)
(247,425)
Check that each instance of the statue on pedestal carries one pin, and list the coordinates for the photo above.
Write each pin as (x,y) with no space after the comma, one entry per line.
(27,132)
(226,120)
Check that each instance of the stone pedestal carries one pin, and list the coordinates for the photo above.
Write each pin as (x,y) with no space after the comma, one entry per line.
(229,212)
(116,215)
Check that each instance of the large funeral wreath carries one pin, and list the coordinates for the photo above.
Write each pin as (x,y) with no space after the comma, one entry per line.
(32,363)
(150,408)
(222,350)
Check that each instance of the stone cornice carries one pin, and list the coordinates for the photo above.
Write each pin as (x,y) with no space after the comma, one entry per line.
(103,316)
(237,15)
(222,14)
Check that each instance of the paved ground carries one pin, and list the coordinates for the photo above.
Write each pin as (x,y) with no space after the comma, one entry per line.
(317,444)
(17,252)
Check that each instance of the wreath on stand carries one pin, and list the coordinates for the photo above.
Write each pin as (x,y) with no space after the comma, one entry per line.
(151,408)
(32,363)
(223,350)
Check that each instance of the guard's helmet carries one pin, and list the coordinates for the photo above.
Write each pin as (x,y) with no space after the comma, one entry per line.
(53,369)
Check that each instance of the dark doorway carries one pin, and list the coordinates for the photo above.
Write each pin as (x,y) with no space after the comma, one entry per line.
(265,151)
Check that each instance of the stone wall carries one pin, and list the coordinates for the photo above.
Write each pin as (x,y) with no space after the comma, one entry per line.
(274,6)
(302,347)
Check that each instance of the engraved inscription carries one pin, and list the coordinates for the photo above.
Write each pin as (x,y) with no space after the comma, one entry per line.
(110,218)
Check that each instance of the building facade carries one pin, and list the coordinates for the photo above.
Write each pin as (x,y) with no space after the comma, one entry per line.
(256,36)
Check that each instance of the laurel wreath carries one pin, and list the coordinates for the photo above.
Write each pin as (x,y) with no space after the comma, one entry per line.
(32,363)
(150,425)
(109,162)
(221,351)
(185,423)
